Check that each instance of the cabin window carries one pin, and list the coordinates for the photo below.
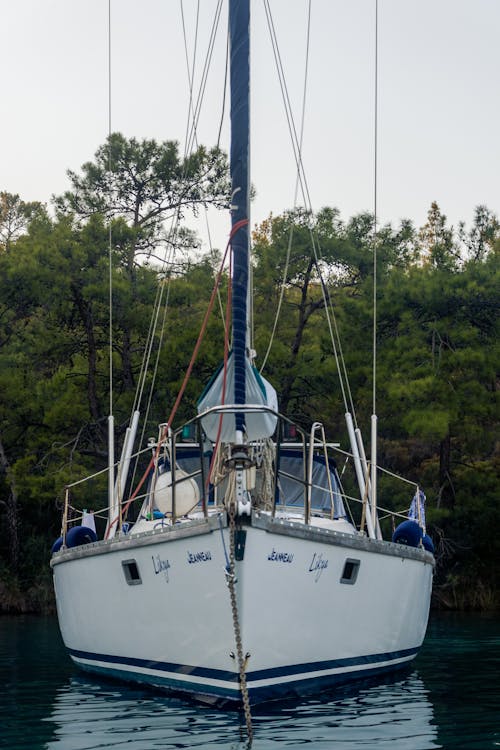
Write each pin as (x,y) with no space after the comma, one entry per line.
(131,571)
(350,572)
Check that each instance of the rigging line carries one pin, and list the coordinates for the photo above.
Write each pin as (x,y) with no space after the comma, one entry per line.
(110,237)
(168,259)
(170,239)
(304,93)
(375,208)
(171,233)
(194,112)
(224,378)
(167,262)
(154,328)
(344,381)
(330,313)
(187,375)
(223,110)
(155,370)
(190,73)
(335,340)
(305,193)
(150,337)
(288,107)
(297,180)
(190,68)
(147,351)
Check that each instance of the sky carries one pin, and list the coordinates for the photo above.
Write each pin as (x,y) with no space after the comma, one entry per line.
(438,120)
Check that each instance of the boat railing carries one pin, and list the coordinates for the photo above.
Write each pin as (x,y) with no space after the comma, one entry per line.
(299,474)
(292,472)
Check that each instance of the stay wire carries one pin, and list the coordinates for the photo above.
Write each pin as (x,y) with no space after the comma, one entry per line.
(297,182)
(187,375)
(337,350)
(168,260)
(375,210)
(191,67)
(195,109)
(155,317)
(110,235)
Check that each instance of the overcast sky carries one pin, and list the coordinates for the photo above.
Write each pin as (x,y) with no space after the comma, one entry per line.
(439,107)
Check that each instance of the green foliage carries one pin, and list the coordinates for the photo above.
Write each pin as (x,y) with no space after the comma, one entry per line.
(144,183)
(438,347)
(437,363)
(15,215)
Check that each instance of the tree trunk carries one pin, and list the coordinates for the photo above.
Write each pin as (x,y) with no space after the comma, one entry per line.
(446,498)
(128,376)
(85,311)
(305,311)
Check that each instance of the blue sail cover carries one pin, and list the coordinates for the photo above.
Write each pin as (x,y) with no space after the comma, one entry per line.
(259,392)
(239,34)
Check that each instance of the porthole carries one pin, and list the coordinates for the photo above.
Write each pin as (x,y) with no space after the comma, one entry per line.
(350,572)
(131,572)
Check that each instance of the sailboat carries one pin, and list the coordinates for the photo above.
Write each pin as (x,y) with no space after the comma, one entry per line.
(241,578)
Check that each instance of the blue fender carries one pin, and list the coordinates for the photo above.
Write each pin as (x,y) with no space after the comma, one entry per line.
(409,533)
(57,545)
(427,543)
(79,535)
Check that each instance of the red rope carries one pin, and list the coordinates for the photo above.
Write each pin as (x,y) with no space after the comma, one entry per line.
(132,497)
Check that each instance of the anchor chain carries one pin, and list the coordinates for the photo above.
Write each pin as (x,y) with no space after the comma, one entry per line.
(231,582)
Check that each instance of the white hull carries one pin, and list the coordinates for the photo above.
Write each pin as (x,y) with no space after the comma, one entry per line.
(300,625)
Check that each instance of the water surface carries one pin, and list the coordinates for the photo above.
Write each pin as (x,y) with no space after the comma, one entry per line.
(449,698)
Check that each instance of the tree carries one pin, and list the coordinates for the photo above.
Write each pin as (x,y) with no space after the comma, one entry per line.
(302,251)
(481,238)
(438,241)
(438,353)
(289,251)
(54,378)
(145,183)
(15,216)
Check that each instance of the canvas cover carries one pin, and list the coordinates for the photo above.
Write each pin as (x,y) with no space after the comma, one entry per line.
(259,392)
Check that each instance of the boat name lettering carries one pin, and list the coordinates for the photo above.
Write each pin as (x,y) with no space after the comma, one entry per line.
(161,566)
(286,557)
(196,557)
(318,565)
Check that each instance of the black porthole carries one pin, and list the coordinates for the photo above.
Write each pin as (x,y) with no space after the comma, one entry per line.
(131,571)
(350,572)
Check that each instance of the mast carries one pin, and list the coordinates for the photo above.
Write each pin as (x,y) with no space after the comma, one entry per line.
(239,35)
(244,384)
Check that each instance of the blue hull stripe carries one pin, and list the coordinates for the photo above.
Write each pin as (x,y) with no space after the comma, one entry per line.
(369,662)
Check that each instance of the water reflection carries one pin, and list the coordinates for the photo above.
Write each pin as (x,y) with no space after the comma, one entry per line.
(449,699)
(460,664)
(393,713)
(89,714)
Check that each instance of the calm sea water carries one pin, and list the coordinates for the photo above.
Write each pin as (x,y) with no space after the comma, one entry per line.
(449,699)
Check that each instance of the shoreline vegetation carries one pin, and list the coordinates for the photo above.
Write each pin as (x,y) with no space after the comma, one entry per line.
(438,348)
